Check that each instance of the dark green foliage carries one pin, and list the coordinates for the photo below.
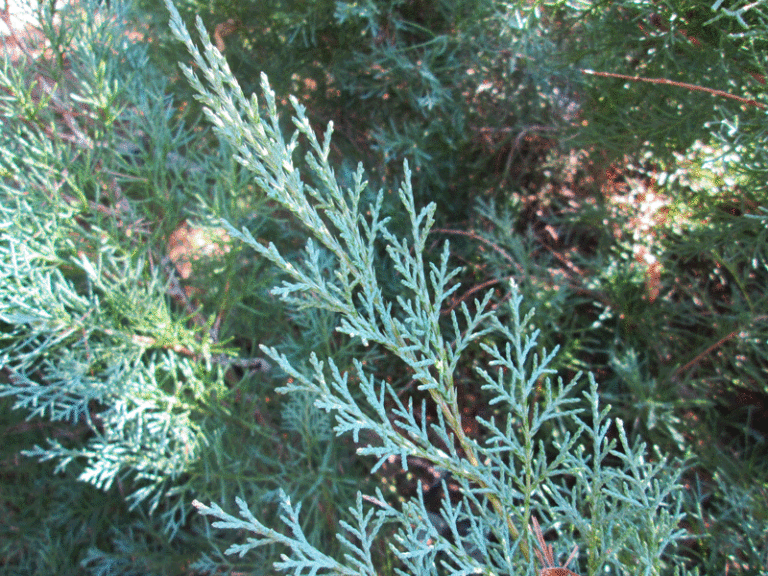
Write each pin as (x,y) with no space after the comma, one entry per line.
(464,90)
(431,82)
(678,41)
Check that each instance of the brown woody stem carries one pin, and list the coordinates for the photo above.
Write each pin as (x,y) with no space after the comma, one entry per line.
(692,87)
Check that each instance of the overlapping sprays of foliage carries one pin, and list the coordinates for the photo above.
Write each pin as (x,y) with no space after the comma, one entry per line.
(130,322)
(629,212)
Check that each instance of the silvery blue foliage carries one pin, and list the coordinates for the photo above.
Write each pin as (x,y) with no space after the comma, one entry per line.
(551,451)
(82,315)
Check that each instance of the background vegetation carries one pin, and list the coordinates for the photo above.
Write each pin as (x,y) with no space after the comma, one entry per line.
(631,213)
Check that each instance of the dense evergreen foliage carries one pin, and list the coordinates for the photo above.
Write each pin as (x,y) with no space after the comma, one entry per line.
(169,335)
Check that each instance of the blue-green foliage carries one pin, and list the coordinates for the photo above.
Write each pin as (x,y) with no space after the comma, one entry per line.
(153,388)
(151,401)
(549,451)
(76,302)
